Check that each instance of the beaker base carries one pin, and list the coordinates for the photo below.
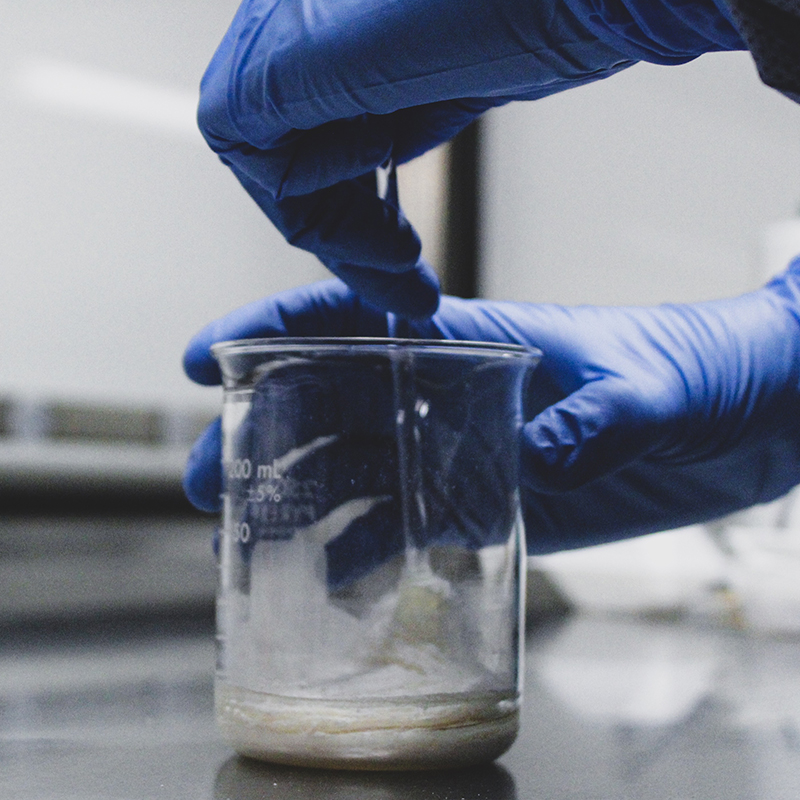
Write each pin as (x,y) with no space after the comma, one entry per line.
(439,732)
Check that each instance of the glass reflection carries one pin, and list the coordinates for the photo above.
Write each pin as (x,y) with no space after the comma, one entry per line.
(245,779)
(622,670)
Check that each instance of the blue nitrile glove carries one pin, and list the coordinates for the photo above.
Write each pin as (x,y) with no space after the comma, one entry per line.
(304,99)
(641,419)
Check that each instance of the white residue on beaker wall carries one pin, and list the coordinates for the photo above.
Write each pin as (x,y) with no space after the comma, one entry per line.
(413,640)
(411,631)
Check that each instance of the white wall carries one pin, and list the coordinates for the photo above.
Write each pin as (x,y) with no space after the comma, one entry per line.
(654,185)
(120,232)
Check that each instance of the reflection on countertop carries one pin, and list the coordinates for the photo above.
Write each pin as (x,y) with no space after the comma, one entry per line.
(244,779)
(616,707)
(623,707)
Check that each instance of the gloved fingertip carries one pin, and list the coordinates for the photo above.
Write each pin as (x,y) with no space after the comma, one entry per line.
(413,294)
(198,363)
(546,460)
(202,479)
(418,301)
(558,450)
(593,432)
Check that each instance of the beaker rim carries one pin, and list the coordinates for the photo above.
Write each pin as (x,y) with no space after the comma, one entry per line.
(331,344)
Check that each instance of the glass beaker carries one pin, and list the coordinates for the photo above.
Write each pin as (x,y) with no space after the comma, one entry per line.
(372,556)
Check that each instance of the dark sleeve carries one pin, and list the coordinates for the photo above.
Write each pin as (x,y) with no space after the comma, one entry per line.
(771,30)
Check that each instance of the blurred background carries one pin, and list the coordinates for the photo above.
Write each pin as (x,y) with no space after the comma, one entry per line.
(121,235)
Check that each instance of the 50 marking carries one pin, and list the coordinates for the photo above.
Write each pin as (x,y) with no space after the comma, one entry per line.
(242,532)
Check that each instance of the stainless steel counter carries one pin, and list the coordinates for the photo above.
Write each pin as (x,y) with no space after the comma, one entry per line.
(614,708)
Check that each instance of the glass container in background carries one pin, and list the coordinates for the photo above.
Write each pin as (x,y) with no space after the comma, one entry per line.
(372,552)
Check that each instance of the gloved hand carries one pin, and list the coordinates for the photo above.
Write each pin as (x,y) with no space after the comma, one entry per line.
(304,99)
(641,419)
